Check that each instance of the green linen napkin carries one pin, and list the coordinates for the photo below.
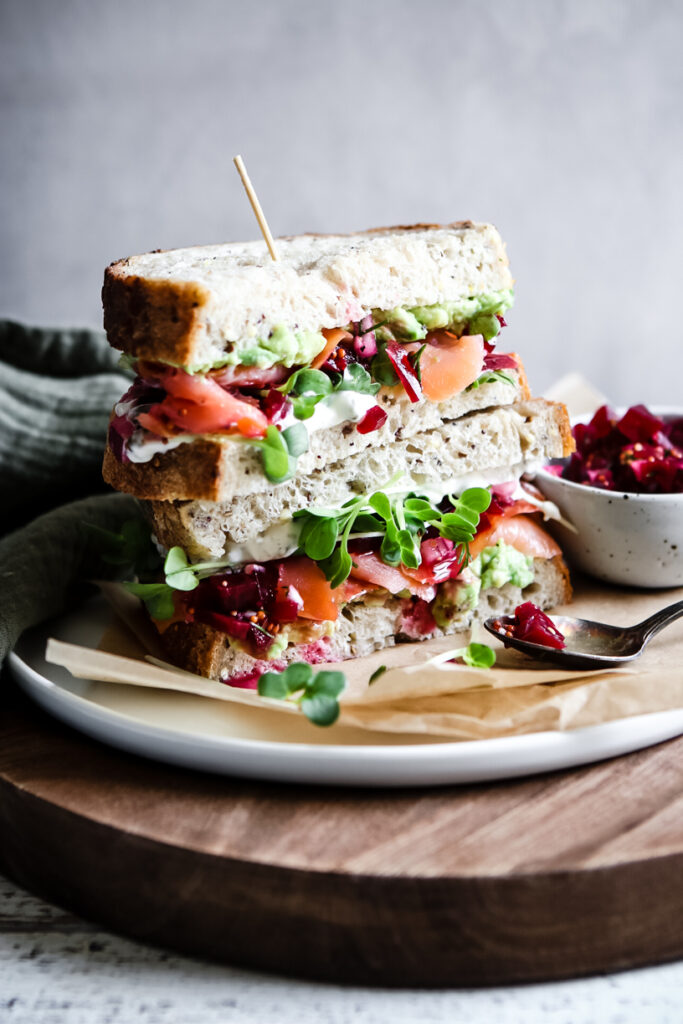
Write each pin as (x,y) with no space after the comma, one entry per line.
(43,566)
(57,389)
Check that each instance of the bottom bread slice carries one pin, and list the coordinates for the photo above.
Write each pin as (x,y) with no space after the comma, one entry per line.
(365,625)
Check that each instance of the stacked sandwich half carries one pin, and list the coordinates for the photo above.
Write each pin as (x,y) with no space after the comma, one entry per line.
(330,447)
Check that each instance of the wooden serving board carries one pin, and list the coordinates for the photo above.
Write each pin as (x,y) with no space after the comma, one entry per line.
(554,876)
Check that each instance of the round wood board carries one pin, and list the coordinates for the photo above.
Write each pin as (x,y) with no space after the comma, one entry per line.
(559,875)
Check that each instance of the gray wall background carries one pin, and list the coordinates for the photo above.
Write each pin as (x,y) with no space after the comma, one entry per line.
(559,121)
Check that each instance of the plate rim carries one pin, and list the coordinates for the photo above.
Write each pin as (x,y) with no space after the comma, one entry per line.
(445,756)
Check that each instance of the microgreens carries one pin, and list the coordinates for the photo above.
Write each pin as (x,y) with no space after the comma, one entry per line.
(316,695)
(355,378)
(415,358)
(132,547)
(158,598)
(376,674)
(475,655)
(280,450)
(179,575)
(399,520)
(383,368)
(307,387)
(490,377)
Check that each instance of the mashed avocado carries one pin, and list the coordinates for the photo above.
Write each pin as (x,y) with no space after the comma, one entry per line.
(493,567)
(502,564)
(454,597)
(478,313)
(287,347)
(284,347)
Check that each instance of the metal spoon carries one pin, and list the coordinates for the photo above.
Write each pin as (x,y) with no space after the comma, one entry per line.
(593,644)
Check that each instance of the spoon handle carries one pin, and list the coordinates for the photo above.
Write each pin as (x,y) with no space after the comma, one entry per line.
(659,620)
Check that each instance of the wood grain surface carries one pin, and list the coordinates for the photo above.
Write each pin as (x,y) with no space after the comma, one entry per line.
(551,877)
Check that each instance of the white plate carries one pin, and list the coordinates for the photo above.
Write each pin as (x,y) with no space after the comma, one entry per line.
(236,740)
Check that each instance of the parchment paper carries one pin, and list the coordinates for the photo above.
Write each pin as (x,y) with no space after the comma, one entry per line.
(414,696)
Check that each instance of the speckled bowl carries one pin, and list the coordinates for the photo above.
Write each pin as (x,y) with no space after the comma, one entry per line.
(633,539)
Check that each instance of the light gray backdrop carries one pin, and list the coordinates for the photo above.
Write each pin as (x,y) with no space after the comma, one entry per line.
(558,121)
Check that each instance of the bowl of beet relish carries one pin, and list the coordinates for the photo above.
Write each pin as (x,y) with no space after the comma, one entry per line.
(622,489)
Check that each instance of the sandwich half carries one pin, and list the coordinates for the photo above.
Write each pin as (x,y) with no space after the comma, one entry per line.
(330,447)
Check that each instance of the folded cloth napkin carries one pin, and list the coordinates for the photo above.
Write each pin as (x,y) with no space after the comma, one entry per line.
(43,566)
(57,388)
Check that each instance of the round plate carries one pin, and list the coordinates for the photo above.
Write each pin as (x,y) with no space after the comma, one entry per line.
(237,740)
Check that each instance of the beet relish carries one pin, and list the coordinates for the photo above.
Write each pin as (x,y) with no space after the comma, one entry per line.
(250,605)
(639,453)
(531,624)
(373,420)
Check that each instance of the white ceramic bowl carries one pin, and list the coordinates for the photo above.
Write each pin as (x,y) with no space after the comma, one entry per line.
(634,539)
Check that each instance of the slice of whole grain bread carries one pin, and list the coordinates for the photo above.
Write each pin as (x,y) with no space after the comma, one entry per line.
(225,470)
(192,306)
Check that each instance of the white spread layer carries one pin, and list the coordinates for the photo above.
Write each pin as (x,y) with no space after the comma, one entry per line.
(281,539)
(339,407)
(278,541)
(456,485)
(331,411)
(141,447)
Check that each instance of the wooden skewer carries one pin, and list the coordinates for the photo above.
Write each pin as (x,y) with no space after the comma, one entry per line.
(255,205)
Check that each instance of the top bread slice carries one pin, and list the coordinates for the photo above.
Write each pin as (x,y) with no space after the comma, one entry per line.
(191,306)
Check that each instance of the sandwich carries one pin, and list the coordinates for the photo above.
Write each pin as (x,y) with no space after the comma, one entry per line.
(331,448)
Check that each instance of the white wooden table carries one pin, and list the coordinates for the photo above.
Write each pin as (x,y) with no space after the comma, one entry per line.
(58,969)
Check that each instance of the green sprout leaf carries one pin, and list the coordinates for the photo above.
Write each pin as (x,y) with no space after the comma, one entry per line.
(179,574)
(390,549)
(479,656)
(316,695)
(297,676)
(319,539)
(296,439)
(131,548)
(382,369)
(490,377)
(414,359)
(273,685)
(477,499)
(400,522)
(280,450)
(381,504)
(306,388)
(304,407)
(320,710)
(475,655)
(306,381)
(357,378)
(158,598)
(337,567)
(326,683)
(274,454)
(376,674)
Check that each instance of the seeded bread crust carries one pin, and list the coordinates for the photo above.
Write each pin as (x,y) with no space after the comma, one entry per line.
(189,306)
(361,628)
